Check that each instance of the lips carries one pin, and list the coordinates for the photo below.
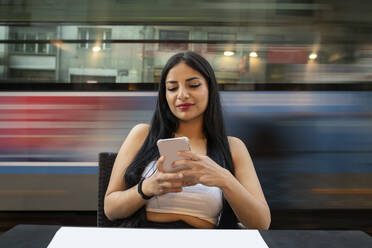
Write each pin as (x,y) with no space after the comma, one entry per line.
(185,106)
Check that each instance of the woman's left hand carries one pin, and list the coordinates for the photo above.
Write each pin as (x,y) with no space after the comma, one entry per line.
(201,169)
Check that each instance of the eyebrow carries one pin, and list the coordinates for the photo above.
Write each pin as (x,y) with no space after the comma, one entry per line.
(192,78)
(187,80)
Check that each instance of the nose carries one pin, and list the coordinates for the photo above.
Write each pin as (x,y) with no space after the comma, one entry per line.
(183,93)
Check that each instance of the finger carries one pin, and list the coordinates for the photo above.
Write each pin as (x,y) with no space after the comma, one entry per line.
(189,183)
(172,190)
(170,185)
(160,163)
(186,174)
(190,155)
(182,164)
(179,166)
(170,177)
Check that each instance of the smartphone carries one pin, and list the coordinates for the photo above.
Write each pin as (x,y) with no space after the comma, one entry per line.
(169,149)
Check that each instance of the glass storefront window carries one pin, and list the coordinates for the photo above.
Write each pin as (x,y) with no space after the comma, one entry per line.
(136,54)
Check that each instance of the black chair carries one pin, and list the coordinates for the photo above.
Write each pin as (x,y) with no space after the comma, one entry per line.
(106,162)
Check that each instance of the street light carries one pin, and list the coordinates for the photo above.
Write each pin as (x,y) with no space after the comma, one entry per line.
(253,54)
(228,53)
(313,56)
(96,49)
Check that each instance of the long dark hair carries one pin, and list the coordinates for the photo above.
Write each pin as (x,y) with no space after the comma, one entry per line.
(164,124)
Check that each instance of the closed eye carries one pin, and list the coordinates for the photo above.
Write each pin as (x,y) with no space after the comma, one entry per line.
(194,85)
(172,88)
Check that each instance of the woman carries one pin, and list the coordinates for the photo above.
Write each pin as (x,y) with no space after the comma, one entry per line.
(218,185)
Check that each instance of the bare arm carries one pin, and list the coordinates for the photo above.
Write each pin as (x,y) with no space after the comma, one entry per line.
(121,202)
(243,192)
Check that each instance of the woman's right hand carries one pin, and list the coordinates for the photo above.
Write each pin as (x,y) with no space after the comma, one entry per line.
(162,182)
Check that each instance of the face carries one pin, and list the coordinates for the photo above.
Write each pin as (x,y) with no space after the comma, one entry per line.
(186,91)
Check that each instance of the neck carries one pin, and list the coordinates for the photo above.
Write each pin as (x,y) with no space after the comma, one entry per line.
(191,129)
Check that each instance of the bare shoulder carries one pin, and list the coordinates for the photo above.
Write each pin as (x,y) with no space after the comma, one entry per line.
(140,130)
(234,140)
(239,151)
(235,144)
(135,139)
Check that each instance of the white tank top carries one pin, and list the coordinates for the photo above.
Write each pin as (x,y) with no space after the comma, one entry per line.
(198,200)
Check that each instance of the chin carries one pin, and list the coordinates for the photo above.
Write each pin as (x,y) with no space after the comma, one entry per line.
(186,117)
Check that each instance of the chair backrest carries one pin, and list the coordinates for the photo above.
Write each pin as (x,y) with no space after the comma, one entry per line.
(106,162)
